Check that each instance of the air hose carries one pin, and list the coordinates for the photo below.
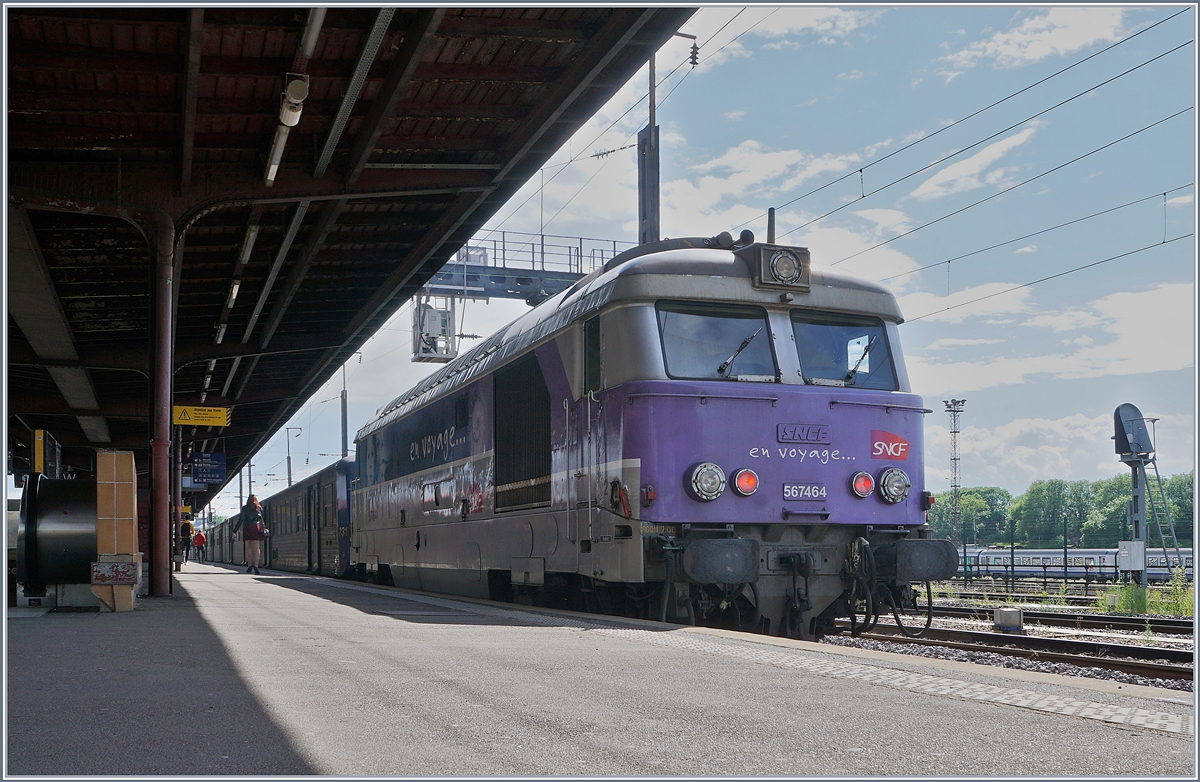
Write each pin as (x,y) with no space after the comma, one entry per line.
(928,615)
(668,586)
(757,607)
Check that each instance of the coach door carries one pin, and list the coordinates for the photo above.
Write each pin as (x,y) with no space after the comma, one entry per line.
(585,448)
(311,529)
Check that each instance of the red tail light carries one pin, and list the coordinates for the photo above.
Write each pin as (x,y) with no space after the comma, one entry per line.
(745,482)
(862,484)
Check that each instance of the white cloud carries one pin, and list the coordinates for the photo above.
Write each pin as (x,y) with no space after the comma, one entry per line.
(1075,447)
(1071,320)
(735,115)
(1180,201)
(936,308)
(951,342)
(1119,345)
(972,173)
(1058,31)
(830,244)
(873,148)
(750,168)
(851,75)
(886,220)
(1029,248)
(830,23)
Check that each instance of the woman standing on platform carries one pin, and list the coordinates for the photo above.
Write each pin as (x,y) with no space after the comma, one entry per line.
(254,532)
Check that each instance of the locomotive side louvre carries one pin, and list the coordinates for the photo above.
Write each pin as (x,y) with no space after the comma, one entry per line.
(601,429)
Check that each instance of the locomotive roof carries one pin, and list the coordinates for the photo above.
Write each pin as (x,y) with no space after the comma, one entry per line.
(688,272)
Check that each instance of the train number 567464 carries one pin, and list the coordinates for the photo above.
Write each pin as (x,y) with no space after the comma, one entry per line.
(804,491)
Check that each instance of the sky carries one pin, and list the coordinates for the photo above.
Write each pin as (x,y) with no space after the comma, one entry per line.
(1021,178)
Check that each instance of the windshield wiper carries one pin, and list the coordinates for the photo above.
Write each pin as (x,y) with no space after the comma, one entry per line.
(854,370)
(727,363)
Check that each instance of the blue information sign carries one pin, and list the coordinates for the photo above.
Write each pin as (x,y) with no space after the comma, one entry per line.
(208,468)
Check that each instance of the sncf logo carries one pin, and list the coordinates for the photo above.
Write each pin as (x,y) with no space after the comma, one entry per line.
(885,445)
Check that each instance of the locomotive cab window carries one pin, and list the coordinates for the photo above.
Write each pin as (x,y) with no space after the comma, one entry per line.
(716,342)
(843,350)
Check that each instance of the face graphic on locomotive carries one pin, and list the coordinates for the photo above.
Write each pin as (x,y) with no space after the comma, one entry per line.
(693,433)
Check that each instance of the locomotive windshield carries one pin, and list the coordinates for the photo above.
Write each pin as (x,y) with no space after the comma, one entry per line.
(843,350)
(716,342)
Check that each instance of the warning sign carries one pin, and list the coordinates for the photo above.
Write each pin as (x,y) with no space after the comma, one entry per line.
(202,416)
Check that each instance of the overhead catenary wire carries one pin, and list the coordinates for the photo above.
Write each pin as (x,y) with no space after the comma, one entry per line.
(1014,187)
(1038,233)
(955,154)
(659,103)
(964,119)
(1051,277)
(635,104)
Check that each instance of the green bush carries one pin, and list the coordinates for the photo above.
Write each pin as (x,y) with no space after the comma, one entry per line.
(1178,599)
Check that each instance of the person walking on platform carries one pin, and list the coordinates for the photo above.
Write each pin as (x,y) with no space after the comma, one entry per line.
(254,532)
(198,544)
(185,539)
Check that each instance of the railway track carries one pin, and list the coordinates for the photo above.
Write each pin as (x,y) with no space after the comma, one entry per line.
(1078,621)
(1008,597)
(1148,661)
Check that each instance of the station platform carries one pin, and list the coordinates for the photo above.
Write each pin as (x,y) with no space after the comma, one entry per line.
(286,675)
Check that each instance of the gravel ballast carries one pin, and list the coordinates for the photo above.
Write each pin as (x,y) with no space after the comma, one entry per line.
(1006,661)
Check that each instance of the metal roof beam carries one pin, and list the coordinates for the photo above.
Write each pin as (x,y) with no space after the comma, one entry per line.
(129,408)
(539,30)
(312,246)
(38,313)
(66,58)
(284,248)
(191,86)
(416,40)
(23,102)
(354,89)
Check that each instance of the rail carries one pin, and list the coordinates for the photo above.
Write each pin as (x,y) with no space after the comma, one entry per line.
(1078,621)
(1148,661)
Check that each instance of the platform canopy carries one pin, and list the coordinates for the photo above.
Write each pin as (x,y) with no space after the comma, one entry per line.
(145,140)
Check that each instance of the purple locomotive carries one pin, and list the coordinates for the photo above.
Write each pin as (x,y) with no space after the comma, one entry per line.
(704,430)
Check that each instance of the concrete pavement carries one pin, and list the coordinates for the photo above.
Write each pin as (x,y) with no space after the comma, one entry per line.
(284,674)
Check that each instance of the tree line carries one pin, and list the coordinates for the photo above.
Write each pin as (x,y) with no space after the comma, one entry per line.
(1094,513)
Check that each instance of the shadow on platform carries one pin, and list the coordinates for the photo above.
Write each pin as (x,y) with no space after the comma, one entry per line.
(148,692)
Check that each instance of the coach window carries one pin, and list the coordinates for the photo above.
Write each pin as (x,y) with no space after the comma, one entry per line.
(716,342)
(843,350)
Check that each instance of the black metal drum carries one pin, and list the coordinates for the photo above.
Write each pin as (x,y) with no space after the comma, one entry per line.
(56,536)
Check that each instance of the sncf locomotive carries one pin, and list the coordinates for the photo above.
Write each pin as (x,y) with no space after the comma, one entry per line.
(703,430)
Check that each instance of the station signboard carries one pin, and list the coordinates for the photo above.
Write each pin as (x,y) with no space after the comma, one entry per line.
(208,468)
(190,415)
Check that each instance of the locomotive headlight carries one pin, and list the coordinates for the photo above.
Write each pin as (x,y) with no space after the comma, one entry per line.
(862,484)
(894,485)
(745,482)
(707,481)
(785,266)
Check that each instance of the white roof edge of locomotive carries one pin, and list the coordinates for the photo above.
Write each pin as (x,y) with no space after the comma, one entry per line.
(641,277)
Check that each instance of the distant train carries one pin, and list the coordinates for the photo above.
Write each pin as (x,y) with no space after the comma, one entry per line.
(309,523)
(703,430)
(1096,564)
